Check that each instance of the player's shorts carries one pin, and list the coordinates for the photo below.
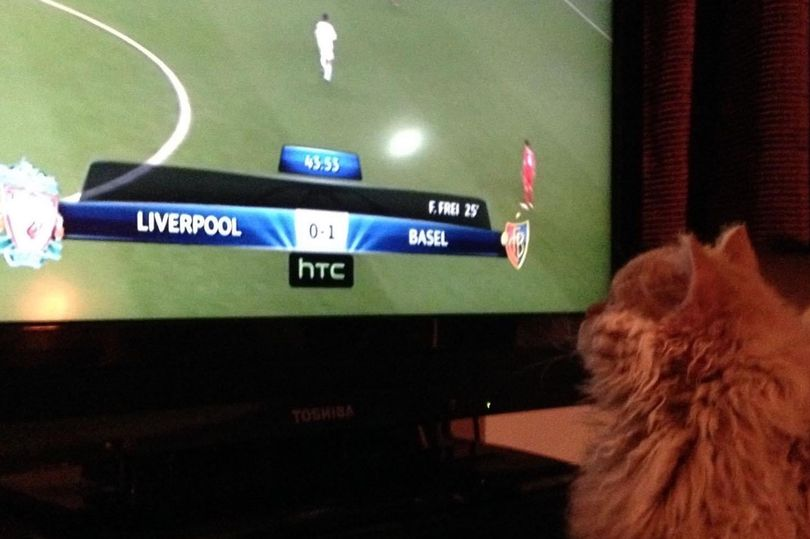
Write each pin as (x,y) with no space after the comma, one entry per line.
(327,54)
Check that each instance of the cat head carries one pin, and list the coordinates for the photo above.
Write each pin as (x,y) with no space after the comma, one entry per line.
(681,313)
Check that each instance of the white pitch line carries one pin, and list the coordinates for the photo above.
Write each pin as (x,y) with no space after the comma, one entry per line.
(588,20)
(183,125)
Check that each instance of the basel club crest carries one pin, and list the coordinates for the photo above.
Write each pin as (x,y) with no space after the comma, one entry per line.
(515,239)
(30,225)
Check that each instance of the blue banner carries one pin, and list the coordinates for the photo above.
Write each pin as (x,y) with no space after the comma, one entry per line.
(272,228)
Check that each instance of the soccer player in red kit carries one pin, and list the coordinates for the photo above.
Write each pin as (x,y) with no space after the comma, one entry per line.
(529,172)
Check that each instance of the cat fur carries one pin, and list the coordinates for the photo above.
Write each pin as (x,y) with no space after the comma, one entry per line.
(700,385)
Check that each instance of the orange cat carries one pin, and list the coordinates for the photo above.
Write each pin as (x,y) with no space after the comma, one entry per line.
(700,377)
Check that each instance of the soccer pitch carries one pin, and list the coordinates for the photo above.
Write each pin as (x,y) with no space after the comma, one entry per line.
(469,79)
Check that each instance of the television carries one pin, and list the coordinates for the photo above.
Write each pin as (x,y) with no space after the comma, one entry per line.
(200,229)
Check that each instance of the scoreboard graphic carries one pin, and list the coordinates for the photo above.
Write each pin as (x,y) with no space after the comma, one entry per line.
(177,205)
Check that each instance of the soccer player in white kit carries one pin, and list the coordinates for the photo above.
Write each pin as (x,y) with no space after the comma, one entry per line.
(326,36)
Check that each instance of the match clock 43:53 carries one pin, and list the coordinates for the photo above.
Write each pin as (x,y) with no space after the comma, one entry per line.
(320,162)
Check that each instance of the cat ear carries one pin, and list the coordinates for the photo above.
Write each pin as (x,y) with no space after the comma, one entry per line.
(736,246)
(703,279)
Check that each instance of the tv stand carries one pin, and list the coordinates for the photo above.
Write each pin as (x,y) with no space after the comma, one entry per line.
(409,482)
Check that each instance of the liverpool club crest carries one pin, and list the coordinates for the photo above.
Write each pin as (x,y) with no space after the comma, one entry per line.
(31,228)
(515,239)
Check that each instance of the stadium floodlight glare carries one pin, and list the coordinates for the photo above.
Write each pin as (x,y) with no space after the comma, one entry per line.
(405,142)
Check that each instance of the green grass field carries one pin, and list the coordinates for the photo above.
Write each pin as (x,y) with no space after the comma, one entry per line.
(475,77)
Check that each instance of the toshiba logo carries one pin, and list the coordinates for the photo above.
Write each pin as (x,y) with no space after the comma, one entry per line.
(321,414)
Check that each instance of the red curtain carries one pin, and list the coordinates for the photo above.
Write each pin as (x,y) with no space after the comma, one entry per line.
(721,116)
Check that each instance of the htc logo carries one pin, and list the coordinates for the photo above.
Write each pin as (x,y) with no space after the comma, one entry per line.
(318,270)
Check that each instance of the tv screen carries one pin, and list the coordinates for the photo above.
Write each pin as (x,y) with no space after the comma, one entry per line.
(201,159)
